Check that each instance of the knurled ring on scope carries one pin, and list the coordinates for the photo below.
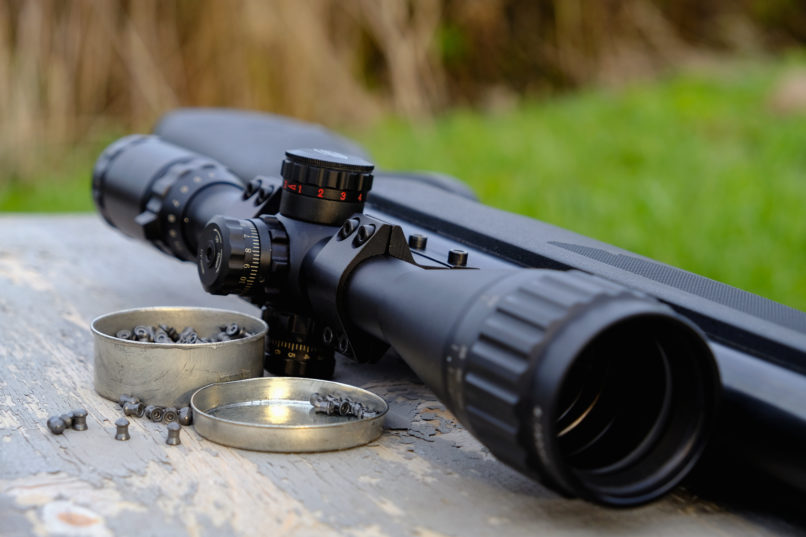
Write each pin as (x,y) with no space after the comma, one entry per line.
(184,180)
(327,170)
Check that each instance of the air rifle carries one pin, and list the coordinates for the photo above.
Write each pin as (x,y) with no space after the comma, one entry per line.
(599,372)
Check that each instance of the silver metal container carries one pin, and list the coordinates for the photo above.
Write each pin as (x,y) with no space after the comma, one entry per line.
(167,374)
(274,414)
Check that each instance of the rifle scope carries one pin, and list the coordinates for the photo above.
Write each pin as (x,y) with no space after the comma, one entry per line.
(595,389)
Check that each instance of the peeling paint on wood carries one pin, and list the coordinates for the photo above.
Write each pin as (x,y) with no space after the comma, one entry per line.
(425,476)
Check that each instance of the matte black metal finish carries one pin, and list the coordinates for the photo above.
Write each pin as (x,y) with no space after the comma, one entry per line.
(541,365)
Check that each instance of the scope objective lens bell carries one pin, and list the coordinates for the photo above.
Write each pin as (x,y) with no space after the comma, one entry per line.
(594,389)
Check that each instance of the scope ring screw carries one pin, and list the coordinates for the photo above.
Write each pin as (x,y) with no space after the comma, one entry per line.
(56,425)
(134,408)
(417,241)
(327,335)
(364,233)
(122,432)
(263,194)
(251,187)
(185,416)
(348,227)
(343,344)
(154,413)
(457,258)
(169,415)
(173,434)
(79,419)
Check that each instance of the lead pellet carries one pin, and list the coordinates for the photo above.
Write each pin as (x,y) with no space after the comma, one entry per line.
(185,416)
(79,419)
(173,434)
(122,432)
(56,425)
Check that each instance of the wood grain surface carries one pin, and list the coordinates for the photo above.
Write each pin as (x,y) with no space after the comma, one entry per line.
(425,476)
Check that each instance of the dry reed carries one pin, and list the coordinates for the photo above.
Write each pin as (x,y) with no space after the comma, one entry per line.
(69,68)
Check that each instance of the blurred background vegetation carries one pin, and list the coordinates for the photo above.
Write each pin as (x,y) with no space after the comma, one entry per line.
(673,128)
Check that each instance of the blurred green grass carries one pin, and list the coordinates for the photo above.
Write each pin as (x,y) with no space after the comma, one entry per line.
(695,170)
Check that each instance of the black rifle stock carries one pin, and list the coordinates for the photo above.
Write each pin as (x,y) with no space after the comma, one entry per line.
(588,367)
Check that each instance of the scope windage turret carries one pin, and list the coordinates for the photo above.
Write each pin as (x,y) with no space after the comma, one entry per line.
(592,388)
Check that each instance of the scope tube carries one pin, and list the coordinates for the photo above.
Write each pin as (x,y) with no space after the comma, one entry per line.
(594,389)
(158,192)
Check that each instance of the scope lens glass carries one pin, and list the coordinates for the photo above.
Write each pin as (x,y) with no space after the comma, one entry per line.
(616,399)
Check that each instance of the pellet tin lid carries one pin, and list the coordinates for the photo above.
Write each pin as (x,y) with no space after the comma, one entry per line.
(275,414)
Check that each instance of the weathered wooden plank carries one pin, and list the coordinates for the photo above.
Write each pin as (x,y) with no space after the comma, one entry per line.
(425,476)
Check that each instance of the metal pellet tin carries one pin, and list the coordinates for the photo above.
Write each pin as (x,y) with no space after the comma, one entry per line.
(275,414)
(166,374)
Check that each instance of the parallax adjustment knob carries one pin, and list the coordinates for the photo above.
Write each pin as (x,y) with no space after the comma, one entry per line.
(234,255)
